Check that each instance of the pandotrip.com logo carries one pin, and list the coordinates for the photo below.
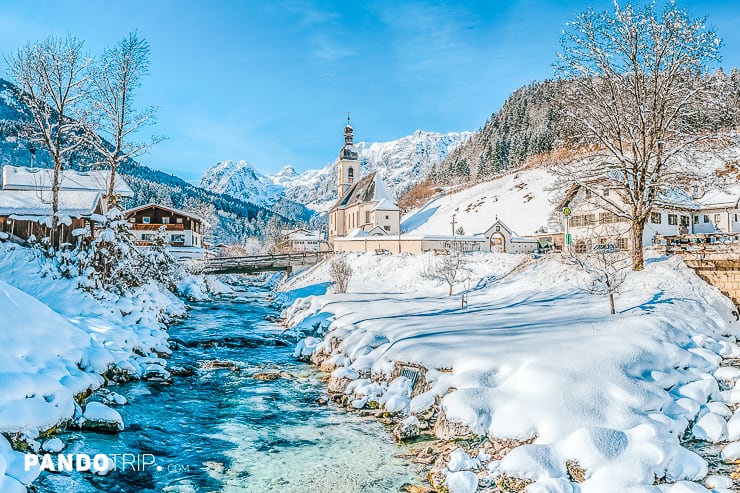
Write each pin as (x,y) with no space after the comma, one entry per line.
(100,464)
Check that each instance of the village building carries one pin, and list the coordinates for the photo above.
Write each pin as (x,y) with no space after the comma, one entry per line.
(26,214)
(719,212)
(364,203)
(182,230)
(503,240)
(302,240)
(593,219)
(26,203)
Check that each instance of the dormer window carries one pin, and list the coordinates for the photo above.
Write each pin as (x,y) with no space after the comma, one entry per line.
(350,174)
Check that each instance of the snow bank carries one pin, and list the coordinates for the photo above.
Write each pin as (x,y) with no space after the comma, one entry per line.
(56,341)
(532,357)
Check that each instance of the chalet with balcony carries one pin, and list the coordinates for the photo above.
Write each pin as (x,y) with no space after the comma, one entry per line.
(182,230)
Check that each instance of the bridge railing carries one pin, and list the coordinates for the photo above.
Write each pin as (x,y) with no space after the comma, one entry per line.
(215,264)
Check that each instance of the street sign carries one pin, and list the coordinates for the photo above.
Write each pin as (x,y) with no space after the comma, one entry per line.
(567,239)
(566,211)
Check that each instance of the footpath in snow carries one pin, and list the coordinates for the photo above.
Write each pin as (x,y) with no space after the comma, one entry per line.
(552,393)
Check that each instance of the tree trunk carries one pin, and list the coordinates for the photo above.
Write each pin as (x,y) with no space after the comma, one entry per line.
(450,293)
(111,198)
(55,207)
(611,302)
(638,226)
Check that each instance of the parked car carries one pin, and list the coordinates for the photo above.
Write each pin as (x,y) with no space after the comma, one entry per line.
(605,248)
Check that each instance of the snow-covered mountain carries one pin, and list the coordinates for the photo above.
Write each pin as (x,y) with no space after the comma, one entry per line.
(402,163)
(240,180)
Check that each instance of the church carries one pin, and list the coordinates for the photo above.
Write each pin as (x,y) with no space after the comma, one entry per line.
(365,206)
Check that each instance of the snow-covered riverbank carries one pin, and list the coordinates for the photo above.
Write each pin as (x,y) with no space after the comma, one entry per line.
(588,402)
(58,342)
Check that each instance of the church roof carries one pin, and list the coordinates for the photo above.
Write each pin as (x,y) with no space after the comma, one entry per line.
(370,188)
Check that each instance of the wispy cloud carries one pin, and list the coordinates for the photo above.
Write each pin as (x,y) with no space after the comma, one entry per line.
(427,36)
(321,27)
(330,48)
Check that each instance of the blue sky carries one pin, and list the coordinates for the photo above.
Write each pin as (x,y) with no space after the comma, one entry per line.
(271,82)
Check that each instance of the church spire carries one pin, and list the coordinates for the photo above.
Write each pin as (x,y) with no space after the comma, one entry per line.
(348,167)
(348,150)
(348,133)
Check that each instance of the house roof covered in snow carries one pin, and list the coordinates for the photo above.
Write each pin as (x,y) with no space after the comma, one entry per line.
(23,178)
(23,204)
(370,188)
(720,198)
(159,206)
(672,198)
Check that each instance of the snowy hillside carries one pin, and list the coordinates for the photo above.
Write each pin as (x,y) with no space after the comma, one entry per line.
(522,200)
(402,163)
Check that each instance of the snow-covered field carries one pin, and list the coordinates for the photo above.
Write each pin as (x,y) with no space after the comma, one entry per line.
(56,341)
(532,357)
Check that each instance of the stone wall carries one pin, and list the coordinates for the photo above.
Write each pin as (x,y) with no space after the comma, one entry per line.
(720,271)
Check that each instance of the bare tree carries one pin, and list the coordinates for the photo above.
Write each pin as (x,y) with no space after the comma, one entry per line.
(53,78)
(449,269)
(341,273)
(116,77)
(606,269)
(639,92)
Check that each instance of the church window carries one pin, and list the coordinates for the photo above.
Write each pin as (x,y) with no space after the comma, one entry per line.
(387,228)
(367,217)
(351,174)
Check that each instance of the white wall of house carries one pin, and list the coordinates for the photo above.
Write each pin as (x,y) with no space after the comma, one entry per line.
(188,237)
(592,223)
(717,220)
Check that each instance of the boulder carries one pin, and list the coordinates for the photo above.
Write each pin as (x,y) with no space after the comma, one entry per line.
(406,429)
(444,429)
(99,417)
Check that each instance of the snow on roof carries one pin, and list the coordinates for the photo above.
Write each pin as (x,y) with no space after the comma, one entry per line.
(676,197)
(160,206)
(361,235)
(357,233)
(370,188)
(524,201)
(23,178)
(382,192)
(720,198)
(385,205)
(33,203)
(305,237)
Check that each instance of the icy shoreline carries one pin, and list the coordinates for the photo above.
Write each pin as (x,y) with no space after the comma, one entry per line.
(551,393)
(59,346)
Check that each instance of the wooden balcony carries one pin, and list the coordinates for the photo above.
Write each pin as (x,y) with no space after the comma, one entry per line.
(155,227)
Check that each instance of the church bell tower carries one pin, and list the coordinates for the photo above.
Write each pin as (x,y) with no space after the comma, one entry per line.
(349,165)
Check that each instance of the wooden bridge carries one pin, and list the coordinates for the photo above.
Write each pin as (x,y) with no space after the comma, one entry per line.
(261,263)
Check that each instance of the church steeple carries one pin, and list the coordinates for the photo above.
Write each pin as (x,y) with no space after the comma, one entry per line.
(348,151)
(349,166)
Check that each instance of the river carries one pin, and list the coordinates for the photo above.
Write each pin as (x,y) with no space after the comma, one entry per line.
(223,431)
